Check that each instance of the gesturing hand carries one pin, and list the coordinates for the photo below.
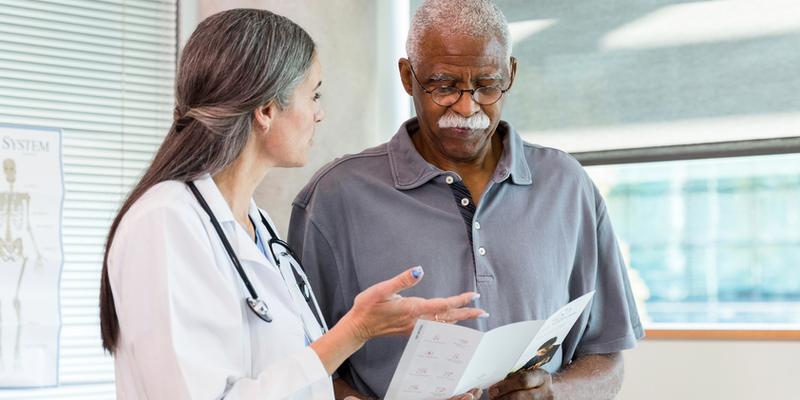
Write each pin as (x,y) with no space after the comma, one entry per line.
(381,311)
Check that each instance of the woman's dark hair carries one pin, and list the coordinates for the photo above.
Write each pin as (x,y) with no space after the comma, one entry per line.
(234,62)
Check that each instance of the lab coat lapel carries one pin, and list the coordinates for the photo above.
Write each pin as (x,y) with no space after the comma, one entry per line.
(244,247)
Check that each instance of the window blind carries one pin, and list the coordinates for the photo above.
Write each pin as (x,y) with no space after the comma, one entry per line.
(103,72)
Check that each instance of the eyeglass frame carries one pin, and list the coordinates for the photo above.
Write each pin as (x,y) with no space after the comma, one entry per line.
(461,91)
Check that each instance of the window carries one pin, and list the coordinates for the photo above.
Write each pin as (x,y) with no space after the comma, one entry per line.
(712,240)
(102,72)
(686,114)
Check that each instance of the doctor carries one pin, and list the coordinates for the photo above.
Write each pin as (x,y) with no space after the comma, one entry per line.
(199,297)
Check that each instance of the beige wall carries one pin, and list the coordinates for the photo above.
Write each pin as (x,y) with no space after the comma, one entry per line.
(346,35)
(710,370)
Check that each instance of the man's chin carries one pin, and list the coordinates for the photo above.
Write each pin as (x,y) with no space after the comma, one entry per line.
(461,154)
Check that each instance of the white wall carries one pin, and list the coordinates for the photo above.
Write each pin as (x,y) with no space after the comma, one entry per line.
(346,32)
(363,105)
(730,370)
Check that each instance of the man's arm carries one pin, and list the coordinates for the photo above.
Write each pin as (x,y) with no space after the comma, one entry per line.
(590,377)
(595,376)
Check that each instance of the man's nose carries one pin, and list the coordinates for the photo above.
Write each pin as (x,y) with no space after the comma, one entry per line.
(466,106)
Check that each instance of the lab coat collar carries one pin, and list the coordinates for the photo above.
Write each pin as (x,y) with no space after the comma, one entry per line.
(242,244)
(208,188)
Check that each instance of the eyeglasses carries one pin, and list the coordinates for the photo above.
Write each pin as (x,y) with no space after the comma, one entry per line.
(446,96)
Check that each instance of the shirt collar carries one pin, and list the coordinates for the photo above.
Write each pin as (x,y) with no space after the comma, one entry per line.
(410,170)
(513,161)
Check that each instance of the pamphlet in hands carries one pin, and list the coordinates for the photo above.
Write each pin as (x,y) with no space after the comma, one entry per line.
(443,360)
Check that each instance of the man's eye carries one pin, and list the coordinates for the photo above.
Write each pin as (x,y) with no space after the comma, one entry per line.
(317,96)
(445,90)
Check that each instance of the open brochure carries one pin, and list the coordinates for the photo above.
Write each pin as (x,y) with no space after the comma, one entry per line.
(443,360)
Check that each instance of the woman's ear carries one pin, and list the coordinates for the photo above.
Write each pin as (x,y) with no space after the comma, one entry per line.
(264,116)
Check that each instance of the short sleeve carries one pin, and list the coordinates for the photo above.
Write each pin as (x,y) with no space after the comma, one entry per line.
(613,324)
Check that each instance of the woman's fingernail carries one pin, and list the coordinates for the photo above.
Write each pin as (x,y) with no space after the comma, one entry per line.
(476,296)
(417,272)
(484,315)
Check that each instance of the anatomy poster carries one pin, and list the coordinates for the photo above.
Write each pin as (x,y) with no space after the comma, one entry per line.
(31,193)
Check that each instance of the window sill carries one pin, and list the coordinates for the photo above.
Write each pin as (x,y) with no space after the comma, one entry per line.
(765,332)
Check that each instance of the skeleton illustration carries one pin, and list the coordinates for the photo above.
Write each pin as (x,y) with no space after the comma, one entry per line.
(14,223)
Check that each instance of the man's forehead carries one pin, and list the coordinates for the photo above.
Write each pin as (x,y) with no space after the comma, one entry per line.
(443,53)
(440,44)
(440,68)
(475,70)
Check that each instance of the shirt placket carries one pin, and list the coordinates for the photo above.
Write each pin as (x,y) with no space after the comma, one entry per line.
(484,278)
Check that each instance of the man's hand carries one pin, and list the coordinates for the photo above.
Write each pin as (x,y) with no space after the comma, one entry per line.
(473,394)
(529,385)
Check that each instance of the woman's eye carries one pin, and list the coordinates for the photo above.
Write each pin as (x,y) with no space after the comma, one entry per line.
(317,96)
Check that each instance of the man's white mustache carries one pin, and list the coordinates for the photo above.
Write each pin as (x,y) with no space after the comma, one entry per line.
(476,121)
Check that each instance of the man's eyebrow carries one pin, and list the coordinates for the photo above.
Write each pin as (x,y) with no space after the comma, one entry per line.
(318,85)
(491,77)
(441,76)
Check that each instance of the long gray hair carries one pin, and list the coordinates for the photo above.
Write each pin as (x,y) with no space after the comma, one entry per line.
(234,62)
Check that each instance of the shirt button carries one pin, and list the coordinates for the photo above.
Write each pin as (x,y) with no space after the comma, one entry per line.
(465,202)
(449,180)
(477,225)
(481,251)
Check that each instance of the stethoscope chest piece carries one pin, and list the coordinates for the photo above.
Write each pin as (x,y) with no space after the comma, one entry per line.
(260,308)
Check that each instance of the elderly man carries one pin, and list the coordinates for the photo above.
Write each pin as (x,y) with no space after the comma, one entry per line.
(457,191)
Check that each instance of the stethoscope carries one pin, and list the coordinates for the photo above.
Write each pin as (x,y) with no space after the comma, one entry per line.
(257,305)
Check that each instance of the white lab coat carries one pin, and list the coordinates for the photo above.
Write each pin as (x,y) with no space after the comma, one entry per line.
(185,330)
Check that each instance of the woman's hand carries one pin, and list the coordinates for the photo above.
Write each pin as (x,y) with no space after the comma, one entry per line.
(381,311)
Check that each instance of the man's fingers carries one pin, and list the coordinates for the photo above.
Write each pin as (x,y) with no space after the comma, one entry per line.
(522,380)
(473,394)
(392,286)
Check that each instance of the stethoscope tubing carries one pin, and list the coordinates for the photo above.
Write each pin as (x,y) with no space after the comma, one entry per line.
(257,305)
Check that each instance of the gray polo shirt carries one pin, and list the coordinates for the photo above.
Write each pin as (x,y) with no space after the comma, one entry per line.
(541,237)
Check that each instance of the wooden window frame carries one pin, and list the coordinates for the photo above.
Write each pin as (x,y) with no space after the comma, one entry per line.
(735,334)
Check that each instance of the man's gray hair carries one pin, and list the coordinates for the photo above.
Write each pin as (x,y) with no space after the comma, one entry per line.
(477,18)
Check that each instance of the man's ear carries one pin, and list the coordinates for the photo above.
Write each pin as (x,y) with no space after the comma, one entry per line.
(513,71)
(405,75)
(264,115)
